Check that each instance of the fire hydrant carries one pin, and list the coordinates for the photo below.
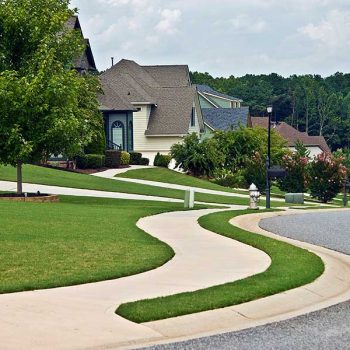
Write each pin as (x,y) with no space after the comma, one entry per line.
(254,195)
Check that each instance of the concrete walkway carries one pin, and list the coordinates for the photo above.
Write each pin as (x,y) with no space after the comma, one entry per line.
(331,288)
(11,187)
(110,174)
(82,317)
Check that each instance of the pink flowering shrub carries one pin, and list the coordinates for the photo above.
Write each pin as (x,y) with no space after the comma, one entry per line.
(326,177)
(295,180)
(255,171)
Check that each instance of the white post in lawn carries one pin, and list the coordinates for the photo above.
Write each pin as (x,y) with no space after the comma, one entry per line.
(189,198)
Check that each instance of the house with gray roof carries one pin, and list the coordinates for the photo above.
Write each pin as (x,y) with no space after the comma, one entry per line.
(147,109)
(86,62)
(220,111)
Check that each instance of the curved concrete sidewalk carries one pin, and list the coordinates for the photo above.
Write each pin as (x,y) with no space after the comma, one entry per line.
(110,174)
(331,288)
(82,317)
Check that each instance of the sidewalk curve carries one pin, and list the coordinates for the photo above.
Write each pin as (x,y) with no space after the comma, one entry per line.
(331,288)
(82,317)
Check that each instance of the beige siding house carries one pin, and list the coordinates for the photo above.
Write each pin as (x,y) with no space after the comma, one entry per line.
(147,109)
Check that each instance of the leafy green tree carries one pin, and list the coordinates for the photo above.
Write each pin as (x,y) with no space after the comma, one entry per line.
(46,107)
(197,157)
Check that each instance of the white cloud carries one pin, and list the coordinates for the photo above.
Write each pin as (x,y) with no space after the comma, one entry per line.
(169,21)
(246,24)
(332,32)
(226,37)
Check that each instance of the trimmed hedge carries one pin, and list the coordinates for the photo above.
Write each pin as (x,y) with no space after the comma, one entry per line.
(124,158)
(113,158)
(90,161)
(162,160)
(135,158)
(144,161)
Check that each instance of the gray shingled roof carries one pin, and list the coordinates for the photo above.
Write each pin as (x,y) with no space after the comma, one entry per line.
(166,88)
(86,61)
(225,118)
(173,112)
(207,89)
(169,76)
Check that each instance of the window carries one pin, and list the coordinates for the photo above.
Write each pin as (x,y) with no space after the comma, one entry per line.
(131,136)
(193,117)
(117,134)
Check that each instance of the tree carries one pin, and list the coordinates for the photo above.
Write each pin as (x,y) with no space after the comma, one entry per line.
(196,156)
(46,107)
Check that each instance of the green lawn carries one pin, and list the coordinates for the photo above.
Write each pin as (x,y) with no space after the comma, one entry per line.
(170,176)
(291,267)
(76,241)
(47,176)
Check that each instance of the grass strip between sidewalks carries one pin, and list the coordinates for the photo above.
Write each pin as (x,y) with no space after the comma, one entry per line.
(52,177)
(291,267)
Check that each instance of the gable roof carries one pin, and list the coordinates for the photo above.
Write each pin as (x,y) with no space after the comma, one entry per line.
(225,118)
(292,135)
(207,90)
(86,61)
(166,88)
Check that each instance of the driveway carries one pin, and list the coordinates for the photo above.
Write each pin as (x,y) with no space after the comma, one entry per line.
(325,329)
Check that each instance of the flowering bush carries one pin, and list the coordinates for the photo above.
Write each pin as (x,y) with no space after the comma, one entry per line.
(255,171)
(326,177)
(295,180)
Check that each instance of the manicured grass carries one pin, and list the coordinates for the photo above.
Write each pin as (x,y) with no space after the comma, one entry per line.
(76,241)
(47,176)
(53,177)
(170,176)
(291,267)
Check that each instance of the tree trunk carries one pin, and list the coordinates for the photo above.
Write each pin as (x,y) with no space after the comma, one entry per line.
(19,177)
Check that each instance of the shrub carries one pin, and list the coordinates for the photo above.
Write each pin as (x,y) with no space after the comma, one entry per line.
(113,158)
(227,178)
(98,144)
(197,157)
(255,172)
(344,154)
(238,146)
(144,161)
(124,158)
(162,160)
(326,177)
(90,161)
(135,158)
(295,180)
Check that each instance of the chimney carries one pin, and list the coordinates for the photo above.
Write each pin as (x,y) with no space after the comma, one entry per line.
(112,58)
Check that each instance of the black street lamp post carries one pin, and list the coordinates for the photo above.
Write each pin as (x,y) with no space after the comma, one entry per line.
(268,159)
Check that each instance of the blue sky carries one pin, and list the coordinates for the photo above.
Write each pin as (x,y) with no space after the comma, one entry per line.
(222,37)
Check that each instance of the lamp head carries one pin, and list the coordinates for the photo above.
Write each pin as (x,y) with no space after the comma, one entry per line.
(269,109)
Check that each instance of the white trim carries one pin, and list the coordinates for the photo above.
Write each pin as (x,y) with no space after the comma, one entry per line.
(223,98)
(166,135)
(206,98)
(211,128)
(142,103)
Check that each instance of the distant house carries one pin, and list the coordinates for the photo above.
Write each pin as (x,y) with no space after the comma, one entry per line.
(220,111)
(147,109)
(86,62)
(315,144)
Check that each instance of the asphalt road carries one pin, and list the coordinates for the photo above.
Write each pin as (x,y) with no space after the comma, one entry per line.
(327,329)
